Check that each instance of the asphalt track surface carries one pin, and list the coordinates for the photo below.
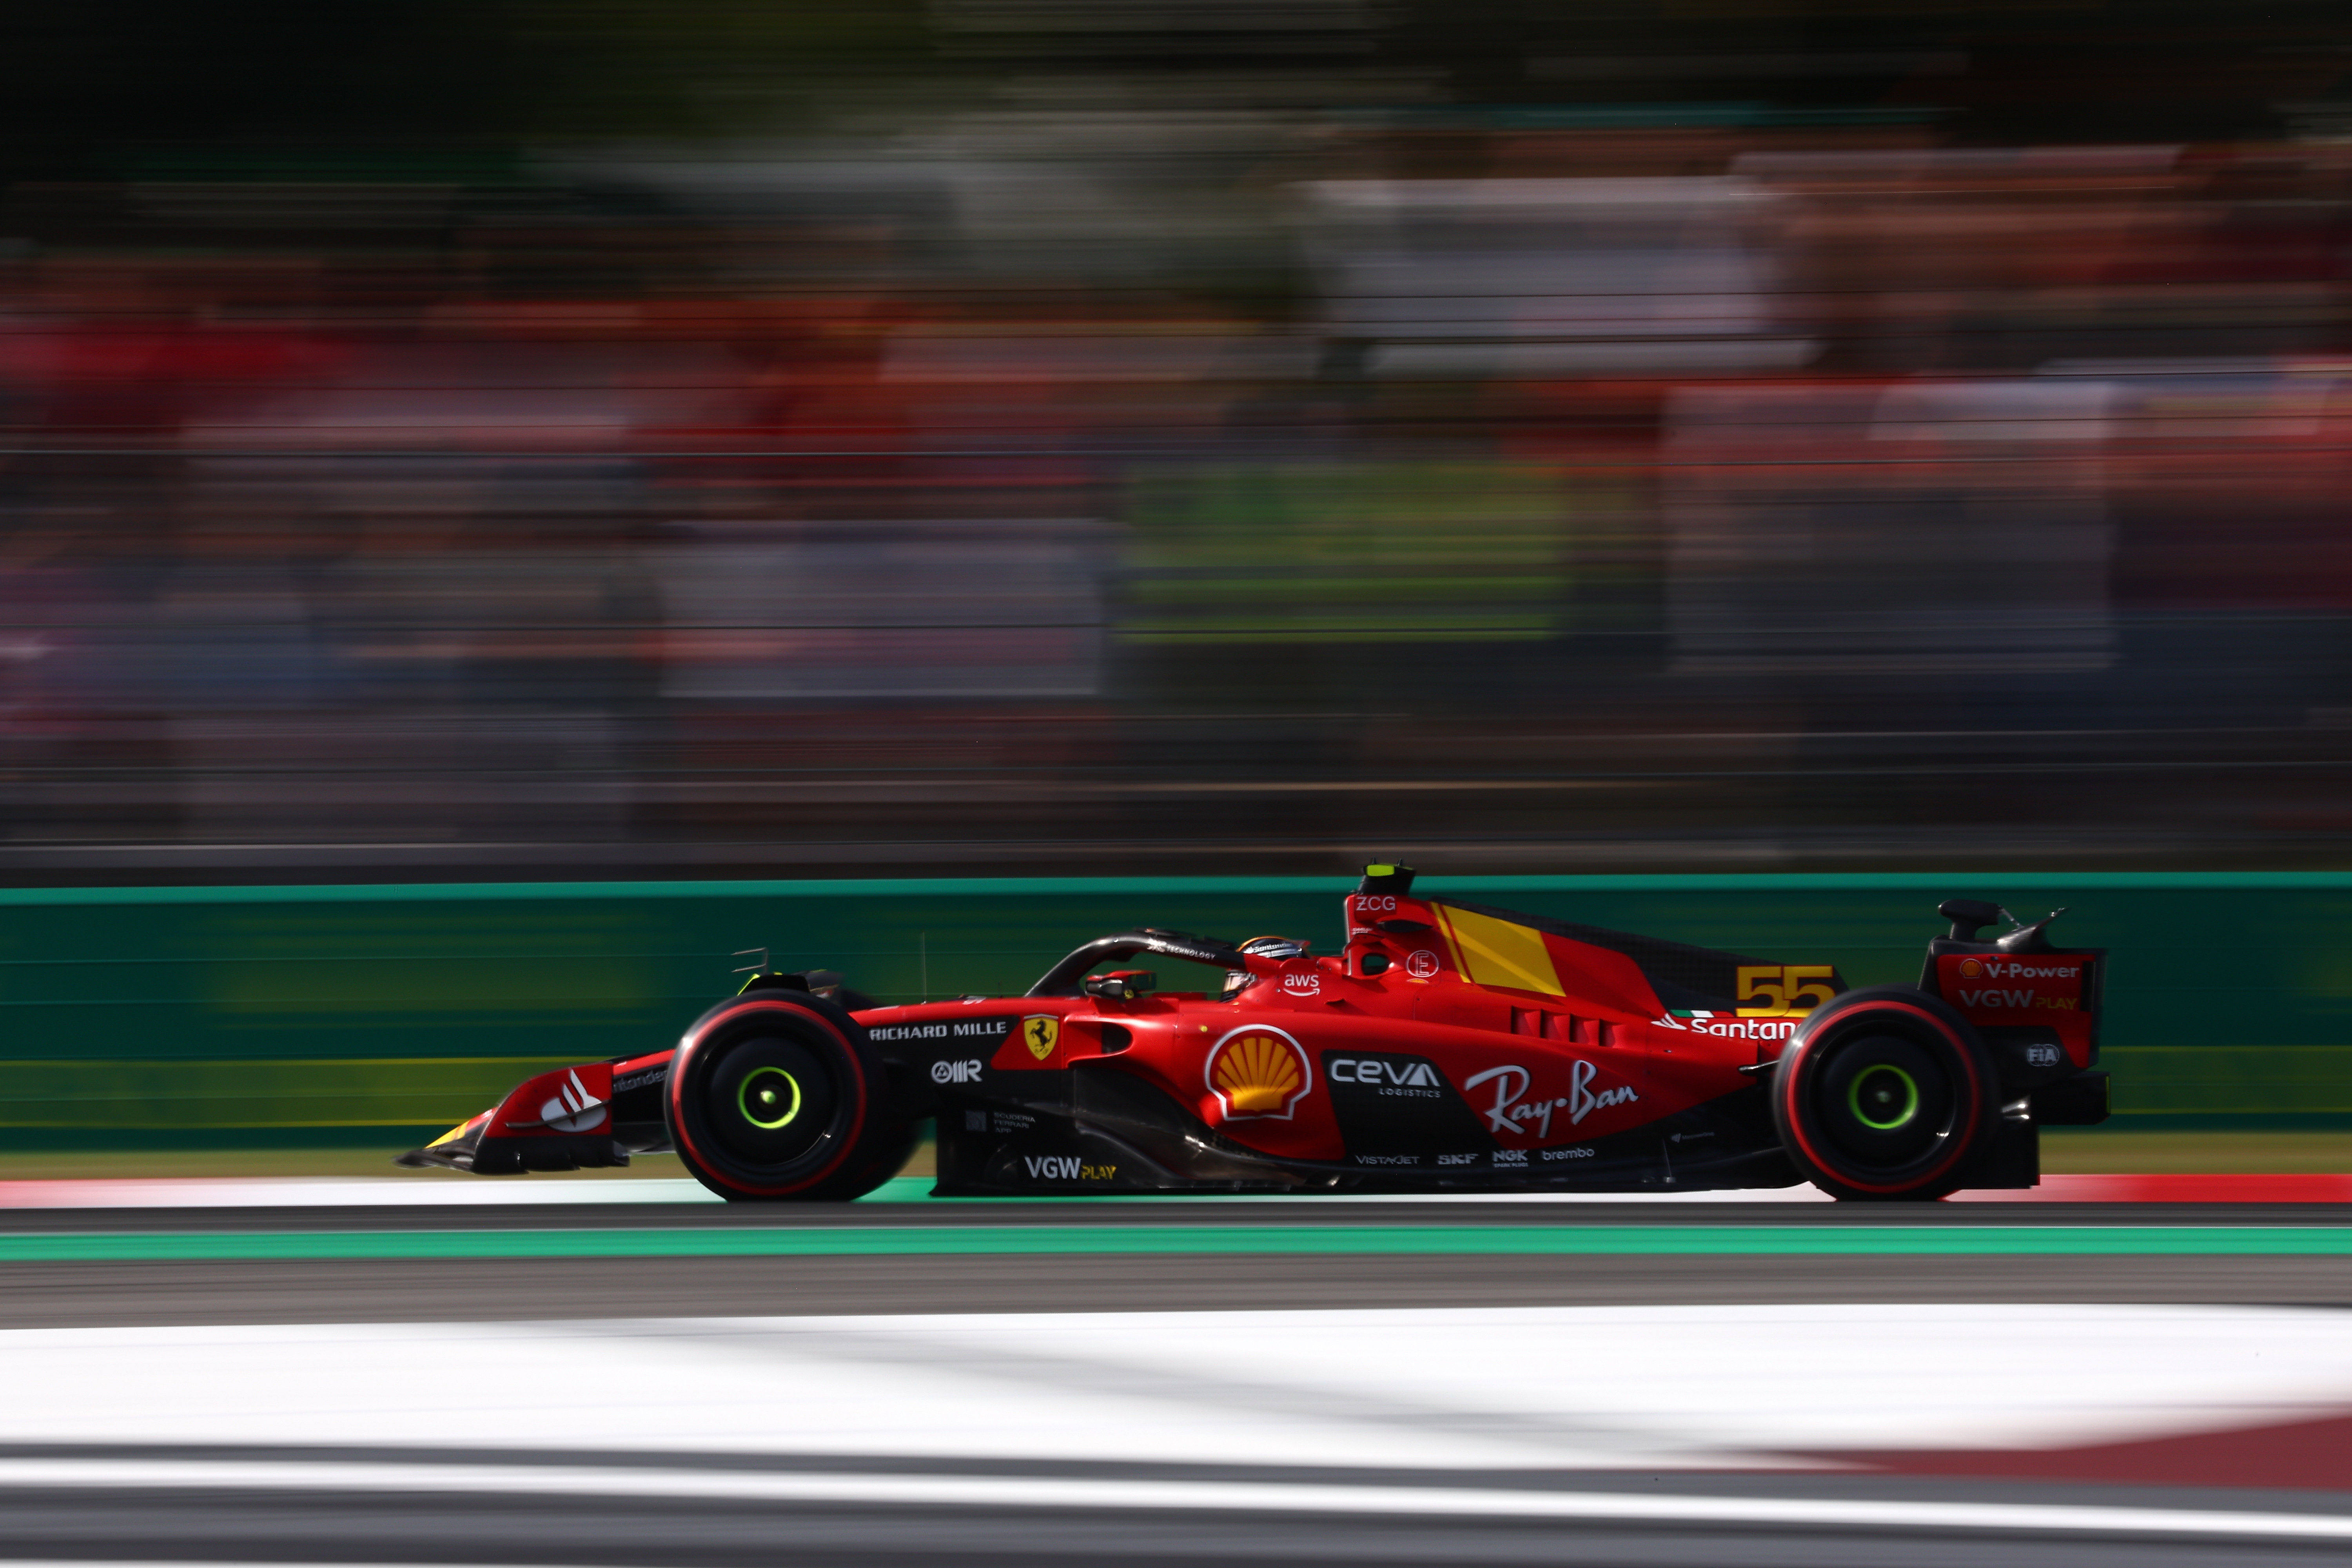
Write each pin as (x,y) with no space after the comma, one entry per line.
(506,1505)
(490,1496)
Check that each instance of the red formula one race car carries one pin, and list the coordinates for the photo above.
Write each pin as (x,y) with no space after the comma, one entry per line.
(1449,1046)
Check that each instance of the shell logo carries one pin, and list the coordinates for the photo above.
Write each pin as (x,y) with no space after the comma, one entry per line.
(1970,968)
(1258,1072)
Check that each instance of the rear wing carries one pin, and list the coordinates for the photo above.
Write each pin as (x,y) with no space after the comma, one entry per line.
(2020,987)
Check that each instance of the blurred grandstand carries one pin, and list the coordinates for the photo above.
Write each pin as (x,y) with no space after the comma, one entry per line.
(1005,436)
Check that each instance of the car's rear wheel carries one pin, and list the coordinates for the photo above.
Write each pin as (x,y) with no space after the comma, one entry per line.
(1885,1094)
(774,1096)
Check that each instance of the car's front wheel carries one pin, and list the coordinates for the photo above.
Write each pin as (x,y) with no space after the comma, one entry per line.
(779,1096)
(1885,1094)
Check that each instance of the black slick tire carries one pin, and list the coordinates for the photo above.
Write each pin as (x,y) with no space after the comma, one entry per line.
(1885,1094)
(780,1097)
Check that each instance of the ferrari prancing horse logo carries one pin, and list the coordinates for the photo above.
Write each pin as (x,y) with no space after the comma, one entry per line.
(1042,1033)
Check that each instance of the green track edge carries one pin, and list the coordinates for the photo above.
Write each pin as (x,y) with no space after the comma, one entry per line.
(1266,1240)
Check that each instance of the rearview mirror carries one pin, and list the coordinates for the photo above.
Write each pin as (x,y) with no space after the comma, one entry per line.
(1121,985)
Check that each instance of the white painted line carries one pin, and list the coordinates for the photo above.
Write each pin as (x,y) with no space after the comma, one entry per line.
(452,1190)
(1462,1389)
(448,1188)
(431,1191)
(1804,1195)
(1009,1492)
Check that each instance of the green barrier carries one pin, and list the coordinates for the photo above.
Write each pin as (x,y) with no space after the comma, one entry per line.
(138,1016)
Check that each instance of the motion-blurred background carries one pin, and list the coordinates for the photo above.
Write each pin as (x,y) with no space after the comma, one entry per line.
(717,439)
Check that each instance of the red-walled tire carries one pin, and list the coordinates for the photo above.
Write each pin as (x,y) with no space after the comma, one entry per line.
(1885,1094)
(780,1097)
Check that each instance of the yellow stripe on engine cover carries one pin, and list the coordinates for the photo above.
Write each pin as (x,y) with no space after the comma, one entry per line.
(1497,953)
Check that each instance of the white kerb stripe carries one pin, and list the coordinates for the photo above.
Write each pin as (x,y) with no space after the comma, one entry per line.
(1022,1491)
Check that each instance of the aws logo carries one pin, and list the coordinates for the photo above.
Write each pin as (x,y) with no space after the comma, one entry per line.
(1258,1072)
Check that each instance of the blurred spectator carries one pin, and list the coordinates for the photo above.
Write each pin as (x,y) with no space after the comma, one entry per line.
(1010,437)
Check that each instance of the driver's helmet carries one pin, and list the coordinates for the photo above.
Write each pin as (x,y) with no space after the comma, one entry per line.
(1263,947)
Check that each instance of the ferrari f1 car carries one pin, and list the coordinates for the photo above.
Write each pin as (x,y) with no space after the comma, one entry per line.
(1448,1046)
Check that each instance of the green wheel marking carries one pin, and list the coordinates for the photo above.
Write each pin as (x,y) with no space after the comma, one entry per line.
(770,1098)
(1896,1103)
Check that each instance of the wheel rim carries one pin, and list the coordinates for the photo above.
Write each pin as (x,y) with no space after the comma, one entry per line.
(771,1101)
(1885,1102)
(769,1098)
(1883,1097)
